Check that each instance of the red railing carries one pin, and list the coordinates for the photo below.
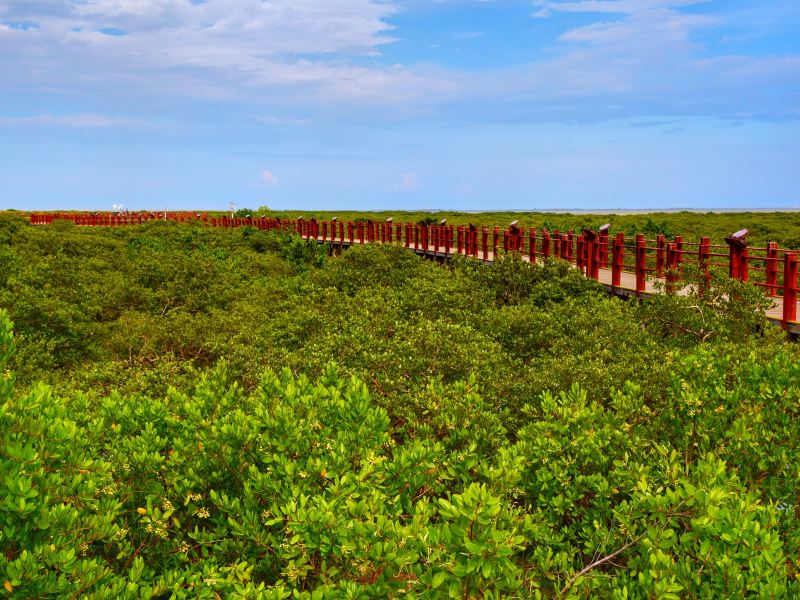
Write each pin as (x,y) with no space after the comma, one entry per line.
(626,264)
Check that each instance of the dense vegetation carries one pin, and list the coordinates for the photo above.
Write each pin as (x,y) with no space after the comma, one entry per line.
(232,413)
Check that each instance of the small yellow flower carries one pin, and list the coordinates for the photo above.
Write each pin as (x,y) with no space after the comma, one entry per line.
(141,511)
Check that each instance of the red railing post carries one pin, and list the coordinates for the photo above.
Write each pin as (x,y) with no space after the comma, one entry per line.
(672,265)
(617,259)
(704,257)
(448,239)
(545,243)
(679,250)
(532,245)
(772,268)
(641,263)
(495,241)
(580,254)
(558,242)
(591,260)
(603,249)
(789,289)
(661,248)
(360,227)
(570,245)
(324,231)
(737,261)
(744,262)
(460,239)
(485,242)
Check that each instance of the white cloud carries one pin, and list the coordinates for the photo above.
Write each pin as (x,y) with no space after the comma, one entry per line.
(81,121)
(611,6)
(409,182)
(270,119)
(298,49)
(268,177)
(652,28)
(303,62)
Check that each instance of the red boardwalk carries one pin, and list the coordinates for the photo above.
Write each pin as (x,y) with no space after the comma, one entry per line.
(627,266)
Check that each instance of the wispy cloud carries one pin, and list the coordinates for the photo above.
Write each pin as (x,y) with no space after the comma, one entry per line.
(268,177)
(611,6)
(81,121)
(654,123)
(409,182)
(271,119)
(639,58)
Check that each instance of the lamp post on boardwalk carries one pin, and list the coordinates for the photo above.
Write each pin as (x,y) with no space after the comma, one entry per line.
(737,268)
(513,236)
(603,246)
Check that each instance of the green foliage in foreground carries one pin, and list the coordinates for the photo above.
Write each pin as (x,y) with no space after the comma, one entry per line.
(235,414)
(300,488)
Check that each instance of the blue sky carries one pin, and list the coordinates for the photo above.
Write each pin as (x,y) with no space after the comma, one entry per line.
(404,104)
